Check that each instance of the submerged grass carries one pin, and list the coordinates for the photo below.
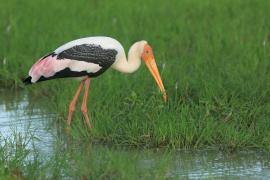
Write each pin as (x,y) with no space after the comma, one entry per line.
(69,158)
(19,158)
(77,160)
(213,56)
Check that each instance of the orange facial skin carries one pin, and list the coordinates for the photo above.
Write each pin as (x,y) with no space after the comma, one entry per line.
(148,58)
(147,53)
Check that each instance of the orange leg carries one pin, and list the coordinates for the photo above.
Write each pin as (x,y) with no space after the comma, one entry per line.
(84,103)
(73,103)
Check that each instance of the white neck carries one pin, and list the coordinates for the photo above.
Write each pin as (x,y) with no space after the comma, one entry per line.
(133,62)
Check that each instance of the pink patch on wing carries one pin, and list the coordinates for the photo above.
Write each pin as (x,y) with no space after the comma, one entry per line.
(44,67)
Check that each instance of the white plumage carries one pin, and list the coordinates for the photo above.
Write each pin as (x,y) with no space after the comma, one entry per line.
(103,41)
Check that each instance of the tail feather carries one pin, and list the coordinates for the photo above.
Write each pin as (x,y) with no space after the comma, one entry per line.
(27,81)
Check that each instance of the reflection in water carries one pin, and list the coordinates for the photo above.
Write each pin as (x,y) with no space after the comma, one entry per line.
(17,114)
(14,119)
(213,163)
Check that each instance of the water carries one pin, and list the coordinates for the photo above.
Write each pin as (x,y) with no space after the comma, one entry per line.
(15,119)
(19,116)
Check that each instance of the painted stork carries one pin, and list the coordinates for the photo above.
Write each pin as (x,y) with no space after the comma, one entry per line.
(89,57)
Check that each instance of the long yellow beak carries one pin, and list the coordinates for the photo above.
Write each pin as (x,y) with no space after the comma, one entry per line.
(152,66)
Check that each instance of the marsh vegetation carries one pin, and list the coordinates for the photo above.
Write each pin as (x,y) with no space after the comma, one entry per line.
(213,57)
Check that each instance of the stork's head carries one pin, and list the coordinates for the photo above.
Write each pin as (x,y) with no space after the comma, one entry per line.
(147,56)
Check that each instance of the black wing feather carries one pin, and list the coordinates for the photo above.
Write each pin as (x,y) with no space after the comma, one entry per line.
(90,53)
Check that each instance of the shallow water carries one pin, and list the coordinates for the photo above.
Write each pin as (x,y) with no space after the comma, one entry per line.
(18,116)
(15,119)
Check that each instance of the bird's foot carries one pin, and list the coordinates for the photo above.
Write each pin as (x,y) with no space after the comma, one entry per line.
(68,129)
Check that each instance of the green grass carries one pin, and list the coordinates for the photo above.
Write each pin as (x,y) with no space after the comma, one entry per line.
(18,157)
(78,160)
(68,158)
(216,56)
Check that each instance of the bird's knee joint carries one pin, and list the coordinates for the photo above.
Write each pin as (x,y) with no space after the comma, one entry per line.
(84,110)
(71,108)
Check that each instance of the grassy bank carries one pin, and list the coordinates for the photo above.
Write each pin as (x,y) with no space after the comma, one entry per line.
(213,57)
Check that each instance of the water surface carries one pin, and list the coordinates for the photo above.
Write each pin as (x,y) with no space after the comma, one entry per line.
(21,116)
